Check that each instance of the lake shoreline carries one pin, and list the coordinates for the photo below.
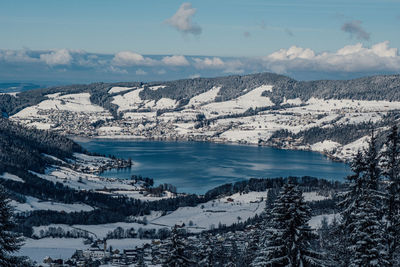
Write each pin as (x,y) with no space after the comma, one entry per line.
(220,162)
(165,139)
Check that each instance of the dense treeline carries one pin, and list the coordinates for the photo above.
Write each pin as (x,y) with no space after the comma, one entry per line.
(22,148)
(307,183)
(382,87)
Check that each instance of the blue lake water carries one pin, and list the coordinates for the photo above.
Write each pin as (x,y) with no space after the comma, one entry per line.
(195,167)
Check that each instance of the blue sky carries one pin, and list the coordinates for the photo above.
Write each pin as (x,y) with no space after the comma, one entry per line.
(245,32)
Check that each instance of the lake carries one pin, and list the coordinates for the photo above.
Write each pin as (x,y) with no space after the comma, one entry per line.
(195,167)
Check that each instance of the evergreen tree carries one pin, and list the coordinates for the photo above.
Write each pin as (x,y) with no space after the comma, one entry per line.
(206,253)
(355,183)
(362,225)
(391,171)
(288,241)
(177,257)
(9,241)
(334,245)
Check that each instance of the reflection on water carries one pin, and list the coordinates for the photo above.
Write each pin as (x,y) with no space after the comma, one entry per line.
(196,167)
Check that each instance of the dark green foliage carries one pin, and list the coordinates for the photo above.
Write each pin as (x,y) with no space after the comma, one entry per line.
(383,87)
(391,171)
(22,148)
(9,241)
(286,240)
(362,225)
(178,253)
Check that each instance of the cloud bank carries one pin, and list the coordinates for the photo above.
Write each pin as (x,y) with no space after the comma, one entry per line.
(351,58)
(298,62)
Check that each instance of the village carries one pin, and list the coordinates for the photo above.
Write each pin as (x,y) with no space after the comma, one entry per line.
(154,253)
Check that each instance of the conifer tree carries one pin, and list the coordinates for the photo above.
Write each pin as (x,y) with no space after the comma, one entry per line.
(362,224)
(9,241)
(177,257)
(288,241)
(206,253)
(391,171)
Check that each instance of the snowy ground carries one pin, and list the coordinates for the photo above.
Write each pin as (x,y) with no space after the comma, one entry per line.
(315,221)
(33,203)
(227,210)
(9,176)
(64,248)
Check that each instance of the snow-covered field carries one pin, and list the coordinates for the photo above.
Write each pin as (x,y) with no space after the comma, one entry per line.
(33,203)
(56,248)
(64,248)
(226,210)
(49,113)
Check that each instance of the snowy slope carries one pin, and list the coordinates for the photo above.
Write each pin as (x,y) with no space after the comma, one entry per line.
(12,177)
(226,210)
(33,203)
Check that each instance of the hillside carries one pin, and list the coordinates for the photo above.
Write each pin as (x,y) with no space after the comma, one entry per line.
(259,109)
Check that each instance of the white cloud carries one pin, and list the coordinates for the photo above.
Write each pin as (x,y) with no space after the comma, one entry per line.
(175,61)
(182,19)
(204,63)
(351,58)
(16,56)
(292,53)
(128,58)
(141,72)
(57,57)
(117,70)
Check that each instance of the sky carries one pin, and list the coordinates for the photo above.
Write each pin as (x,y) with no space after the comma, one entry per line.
(125,40)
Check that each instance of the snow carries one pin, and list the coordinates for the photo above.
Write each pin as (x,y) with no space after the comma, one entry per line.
(205,97)
(295,101)
(212,213)
(58,248)
(59,110)
(64,248)
(98,230)
(12,177)
(109,130)
(313,196)
(315,222)
(10,93)
(252,99)
(127,243)
(118,89)
(129,100)
(154,88)
(84,181)
(72,102)
(33,203)
(164,103)
(325,146)
(348,151)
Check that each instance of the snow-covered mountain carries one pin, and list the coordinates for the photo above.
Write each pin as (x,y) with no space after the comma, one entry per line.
(333,117)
